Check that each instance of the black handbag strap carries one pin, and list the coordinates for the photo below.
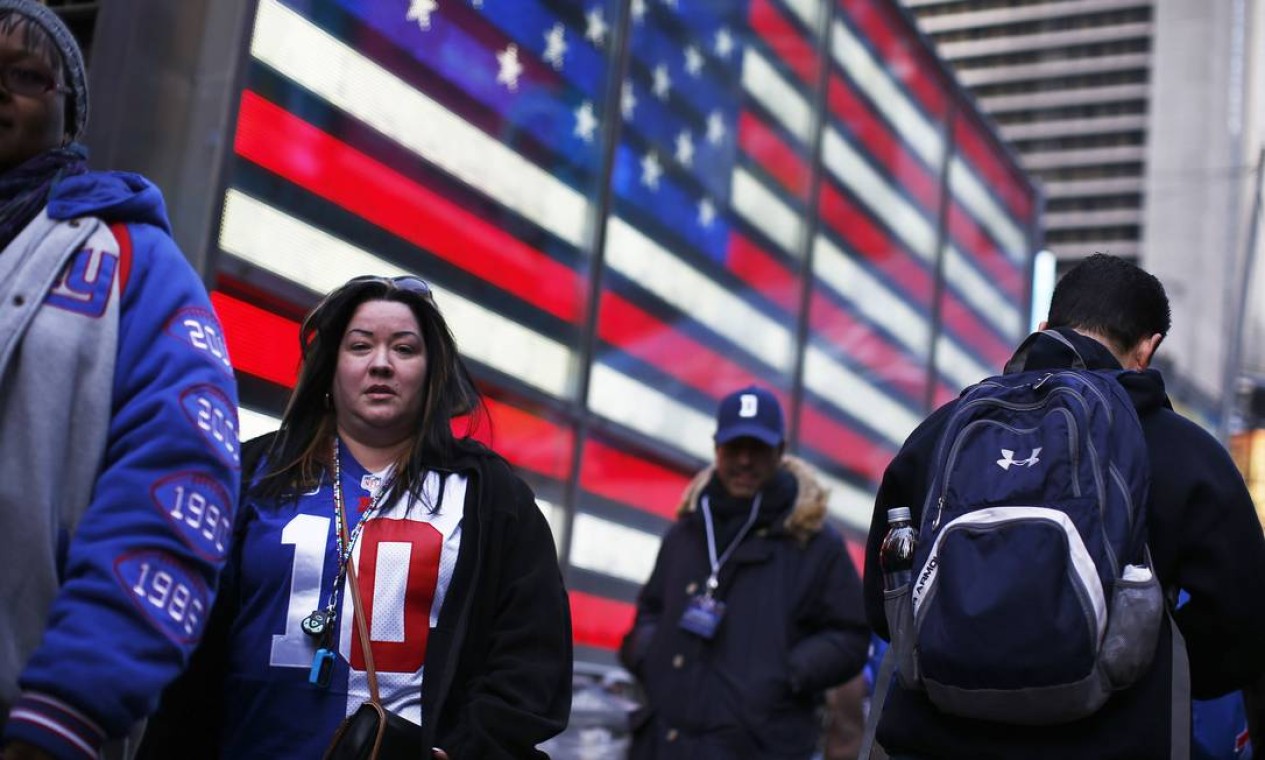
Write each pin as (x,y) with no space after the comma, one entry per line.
(361,626)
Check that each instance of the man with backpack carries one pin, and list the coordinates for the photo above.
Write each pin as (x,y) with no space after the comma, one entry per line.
(1049,501)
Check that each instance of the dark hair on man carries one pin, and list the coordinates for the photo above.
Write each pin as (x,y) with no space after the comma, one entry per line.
(300,454)
(1113,297)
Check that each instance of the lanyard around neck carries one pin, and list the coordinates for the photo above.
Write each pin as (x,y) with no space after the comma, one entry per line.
(713,581)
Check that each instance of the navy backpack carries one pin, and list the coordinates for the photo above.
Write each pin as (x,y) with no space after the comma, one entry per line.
(1032,596)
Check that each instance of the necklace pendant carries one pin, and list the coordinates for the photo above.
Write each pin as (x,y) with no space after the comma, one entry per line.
(316,624)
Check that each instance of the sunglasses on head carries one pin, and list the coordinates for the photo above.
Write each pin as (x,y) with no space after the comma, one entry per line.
(408,282)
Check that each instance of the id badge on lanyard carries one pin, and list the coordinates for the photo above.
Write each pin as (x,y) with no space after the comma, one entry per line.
(704,612)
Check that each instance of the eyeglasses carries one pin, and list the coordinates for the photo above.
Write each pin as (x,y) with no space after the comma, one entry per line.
(28,81)
(407,282)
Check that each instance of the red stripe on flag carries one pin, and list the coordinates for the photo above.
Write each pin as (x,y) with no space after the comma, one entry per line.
(900,50)
(856,551)
(910,174)
(280,142)
(996,175)
(630,480)
(866,238)
(842,444)
(981,249)
(898,163)
(968,328)
(260,343)
(786,41)
(857,340)
(943,396)
(526,440)
(771,152)
(599,622)
(765,274)
(631,329)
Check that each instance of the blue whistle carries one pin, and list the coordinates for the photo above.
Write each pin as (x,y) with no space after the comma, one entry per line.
(322,668)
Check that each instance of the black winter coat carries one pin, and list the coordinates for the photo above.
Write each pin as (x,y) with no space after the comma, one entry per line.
(792,628)
(1205,539)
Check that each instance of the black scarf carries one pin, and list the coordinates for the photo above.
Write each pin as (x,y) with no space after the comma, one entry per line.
(731,513)
(24,189)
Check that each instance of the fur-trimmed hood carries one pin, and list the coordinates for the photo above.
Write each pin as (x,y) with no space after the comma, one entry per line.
(806,516)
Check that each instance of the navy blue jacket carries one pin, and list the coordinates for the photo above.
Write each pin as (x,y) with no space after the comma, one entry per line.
(792,628)
(1204,538)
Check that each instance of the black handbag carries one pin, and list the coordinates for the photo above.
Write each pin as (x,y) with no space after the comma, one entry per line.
(372,732)
(375,733)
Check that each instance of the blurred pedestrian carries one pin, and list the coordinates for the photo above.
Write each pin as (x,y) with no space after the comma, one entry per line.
(1202,531)
(118,409)
(366,489)
(753,609)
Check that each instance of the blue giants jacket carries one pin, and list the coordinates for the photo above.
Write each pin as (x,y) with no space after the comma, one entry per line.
(119,471)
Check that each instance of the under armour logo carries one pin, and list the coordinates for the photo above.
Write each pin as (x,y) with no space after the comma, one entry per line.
(1008,458)
(749,405)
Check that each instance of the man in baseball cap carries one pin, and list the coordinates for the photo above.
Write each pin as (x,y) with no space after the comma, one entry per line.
(753,609)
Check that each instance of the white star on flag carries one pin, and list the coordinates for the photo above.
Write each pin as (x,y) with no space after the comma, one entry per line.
(724,42)
(477,3)
(671,4)
(510,67)
(638,11)
(595,27)
(693,61)
(420,10)
(684,148)
(585,123)
(662,82)
(627,101)
(555,46)
(651,171)
(706,212)
(715,128)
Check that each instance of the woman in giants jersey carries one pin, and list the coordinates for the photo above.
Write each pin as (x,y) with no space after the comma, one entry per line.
(464,606)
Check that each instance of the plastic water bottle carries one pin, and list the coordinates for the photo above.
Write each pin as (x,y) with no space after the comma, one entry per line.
(896,555)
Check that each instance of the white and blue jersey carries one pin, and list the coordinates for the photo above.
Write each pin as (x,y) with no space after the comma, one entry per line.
(289,563)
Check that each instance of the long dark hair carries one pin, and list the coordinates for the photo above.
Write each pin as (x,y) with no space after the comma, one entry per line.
(300,453)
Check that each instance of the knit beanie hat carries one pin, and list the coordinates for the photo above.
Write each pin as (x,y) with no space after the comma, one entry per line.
(72,58)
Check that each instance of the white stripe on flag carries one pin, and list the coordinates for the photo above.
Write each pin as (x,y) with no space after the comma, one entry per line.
(871,297)
(898,213)
(612,549)
(906,120)
(847,503)
(313,59)
(974,195)
(767,212)
(915,229)
(981,294)
(957,365)
(654,268)
(811,12)
(556,517)
(850,392)
(288,247)
(253,424)
(636,405)
(779,97)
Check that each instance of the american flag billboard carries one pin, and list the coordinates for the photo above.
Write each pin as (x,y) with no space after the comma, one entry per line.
(628,210)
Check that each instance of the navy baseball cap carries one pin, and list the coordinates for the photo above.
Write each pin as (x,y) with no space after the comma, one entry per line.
(752,412)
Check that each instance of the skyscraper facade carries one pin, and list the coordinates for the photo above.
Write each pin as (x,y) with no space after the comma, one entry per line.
(1142,121)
